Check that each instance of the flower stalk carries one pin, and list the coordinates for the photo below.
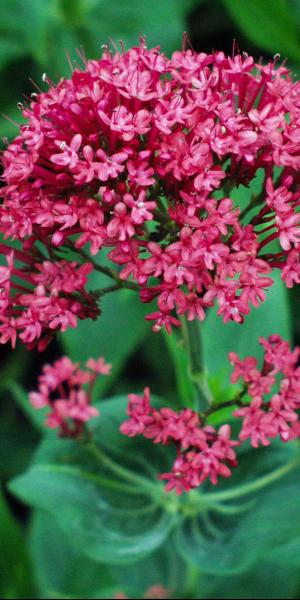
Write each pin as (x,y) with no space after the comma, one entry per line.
(192,341)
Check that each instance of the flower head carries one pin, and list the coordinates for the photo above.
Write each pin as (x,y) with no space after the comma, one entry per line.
(62,389)
(204,453)
(268,417)
(132,153)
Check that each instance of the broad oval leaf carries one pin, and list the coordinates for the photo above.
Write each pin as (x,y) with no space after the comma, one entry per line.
(109,513)
(270,25)
(116,335)
(219,338)
(60,571)
(264,523)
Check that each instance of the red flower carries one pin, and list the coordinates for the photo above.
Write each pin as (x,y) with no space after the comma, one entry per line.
(61,389)
(131,153)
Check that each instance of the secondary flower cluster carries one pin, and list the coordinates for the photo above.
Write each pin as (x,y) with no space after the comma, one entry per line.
(62,389)
(133,152)
(39,297)
(204,453)
(263,418)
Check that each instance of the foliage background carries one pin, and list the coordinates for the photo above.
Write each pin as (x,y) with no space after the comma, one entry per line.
(36,36)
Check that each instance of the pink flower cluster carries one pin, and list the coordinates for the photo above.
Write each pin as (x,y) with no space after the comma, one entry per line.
(62,389)
(266,418)
(133,152)
(39,297)
(202,452)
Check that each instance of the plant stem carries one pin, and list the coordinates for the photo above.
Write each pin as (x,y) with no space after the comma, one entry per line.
(107,290)
(255,201)
(191,580)
(120,471)
(236,401)
(253,486)
(192,341)
(122,283)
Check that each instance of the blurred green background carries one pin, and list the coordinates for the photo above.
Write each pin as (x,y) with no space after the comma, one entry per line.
(36,37)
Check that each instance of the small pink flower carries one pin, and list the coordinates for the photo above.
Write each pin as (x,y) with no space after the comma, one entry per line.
(289,231)
(264,420)
(202,452)
(98,366)
(61,389)
(69,155)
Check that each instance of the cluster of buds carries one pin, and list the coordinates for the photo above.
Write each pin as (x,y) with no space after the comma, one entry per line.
(66,390)
(132,153)
(201,451)
(266,418)
(39,297)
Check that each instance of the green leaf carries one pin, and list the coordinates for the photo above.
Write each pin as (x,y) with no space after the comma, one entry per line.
(15,581)
(20,395)
(135,18)
(111,509)
(18,439)
(266,580)
(273,316)
(162,567)
(179,357)
(270,25)
(103,531)
(61,26)
(14,367)
(59,570)
(231,538)
(107,509)
(116,334)
(20,36)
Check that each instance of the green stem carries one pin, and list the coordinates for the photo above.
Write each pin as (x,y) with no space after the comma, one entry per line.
(253,486)
(122,283)
(192,341)
(107,290)
(191,580)
(232,509)
(142,482)
(236,401)
(255,201)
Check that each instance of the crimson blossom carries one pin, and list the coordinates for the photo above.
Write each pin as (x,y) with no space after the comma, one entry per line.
(139,154)
(202,452)
(66,391)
